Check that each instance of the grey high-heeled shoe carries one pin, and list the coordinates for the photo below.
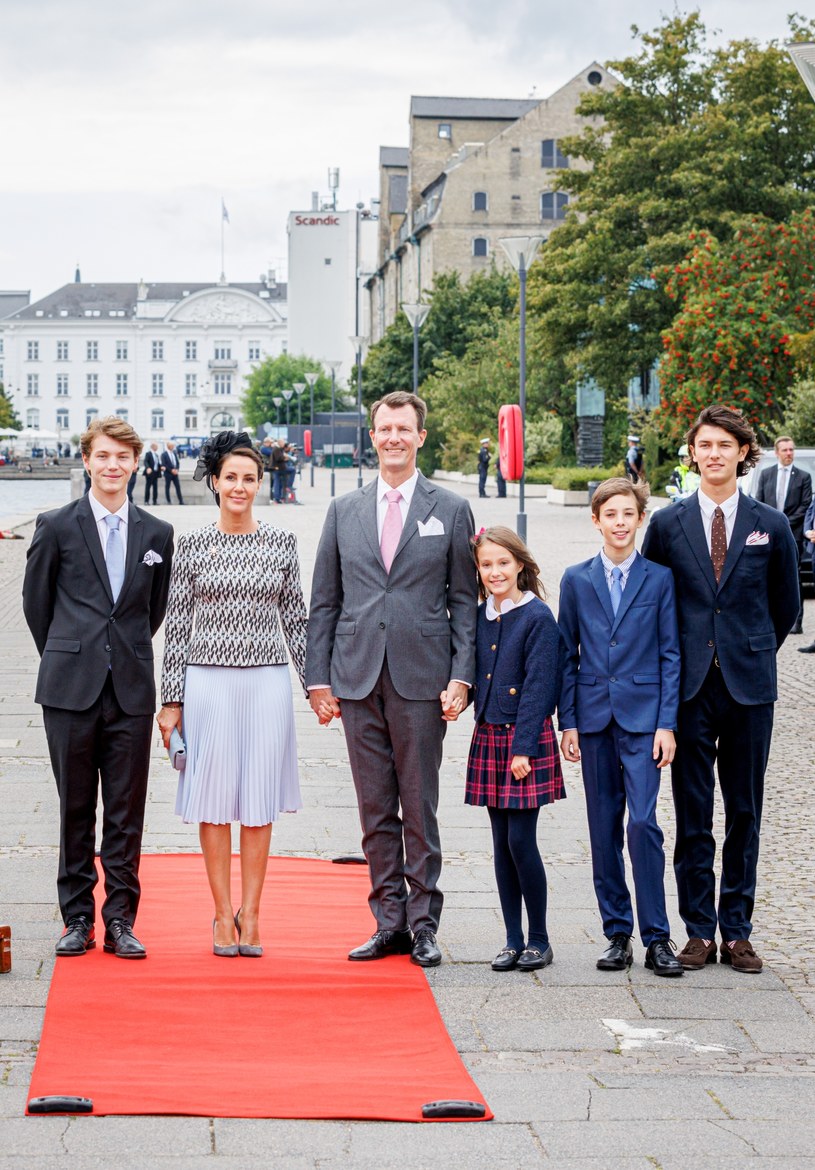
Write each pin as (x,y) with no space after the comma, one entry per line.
(245,949)
(225,952)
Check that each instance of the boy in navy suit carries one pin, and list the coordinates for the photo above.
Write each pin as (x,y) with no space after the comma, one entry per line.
(617,712)
(735,562)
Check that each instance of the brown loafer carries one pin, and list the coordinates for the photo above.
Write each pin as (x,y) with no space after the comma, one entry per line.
(741,956)
(696,953)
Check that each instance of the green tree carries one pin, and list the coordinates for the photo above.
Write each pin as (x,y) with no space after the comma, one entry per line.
(459,314)
(738,305)
(8,416)
(269,379)
(693,140)
(799,417)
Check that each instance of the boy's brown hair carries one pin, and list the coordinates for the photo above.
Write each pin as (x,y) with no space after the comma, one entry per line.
(112,427)
(619,486)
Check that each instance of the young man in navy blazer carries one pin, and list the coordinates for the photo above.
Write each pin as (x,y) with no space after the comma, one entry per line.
(735,564)
(617,712)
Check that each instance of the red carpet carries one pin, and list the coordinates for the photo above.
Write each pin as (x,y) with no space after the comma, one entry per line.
(299,1033)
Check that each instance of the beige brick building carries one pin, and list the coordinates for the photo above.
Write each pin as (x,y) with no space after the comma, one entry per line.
(476,169)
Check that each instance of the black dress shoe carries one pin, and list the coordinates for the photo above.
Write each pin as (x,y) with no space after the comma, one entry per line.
(425,950)
(617,955)
(382,944)
(533,958)
(797,628)
(810,649)
(79,936)
(505,960)
(121,941)
(660,958)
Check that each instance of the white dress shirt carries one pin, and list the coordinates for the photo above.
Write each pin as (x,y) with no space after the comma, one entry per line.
(708,507)
(407,489)
(99,514)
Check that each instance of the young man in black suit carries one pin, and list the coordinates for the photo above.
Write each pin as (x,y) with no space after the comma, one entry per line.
(789,489)
(94,594)
(735,567)
(172,478)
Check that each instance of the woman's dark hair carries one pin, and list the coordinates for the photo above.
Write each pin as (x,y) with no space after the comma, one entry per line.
(216,449)
(529,576)
(736,425)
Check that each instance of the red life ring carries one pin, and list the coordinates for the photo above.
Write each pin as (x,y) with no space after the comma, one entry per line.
(511,441)
(307,444)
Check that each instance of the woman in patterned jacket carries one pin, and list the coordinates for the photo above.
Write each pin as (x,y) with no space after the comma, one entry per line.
(225,682)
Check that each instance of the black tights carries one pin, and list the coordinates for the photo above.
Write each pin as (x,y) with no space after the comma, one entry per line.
(520,874)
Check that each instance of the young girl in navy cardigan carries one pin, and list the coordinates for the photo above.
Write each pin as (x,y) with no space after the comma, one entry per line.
(514,766)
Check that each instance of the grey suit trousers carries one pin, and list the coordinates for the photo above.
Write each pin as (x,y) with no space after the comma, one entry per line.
(395,749)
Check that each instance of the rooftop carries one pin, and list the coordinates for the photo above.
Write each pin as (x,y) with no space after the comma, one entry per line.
(496,109)
(81,300)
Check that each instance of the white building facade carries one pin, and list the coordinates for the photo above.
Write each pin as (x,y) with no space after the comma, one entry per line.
(171,359)
(331,255)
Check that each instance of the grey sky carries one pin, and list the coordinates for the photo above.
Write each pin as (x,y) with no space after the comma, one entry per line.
(124,124)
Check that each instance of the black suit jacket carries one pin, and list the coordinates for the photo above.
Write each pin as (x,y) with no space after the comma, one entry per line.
(799,496)
(744,619)
(167,463)
(80,633)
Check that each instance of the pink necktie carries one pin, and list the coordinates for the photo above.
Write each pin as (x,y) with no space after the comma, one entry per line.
(391,529)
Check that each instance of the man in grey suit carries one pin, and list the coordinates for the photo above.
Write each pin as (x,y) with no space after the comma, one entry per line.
(391,648)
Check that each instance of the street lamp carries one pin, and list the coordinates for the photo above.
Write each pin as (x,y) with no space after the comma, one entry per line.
(333,367)
(416,315)
(278,401)
(521,252)
(311,378)
(288,395)
(358,343)
(299,387)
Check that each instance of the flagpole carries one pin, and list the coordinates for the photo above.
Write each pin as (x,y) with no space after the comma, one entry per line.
(223,217)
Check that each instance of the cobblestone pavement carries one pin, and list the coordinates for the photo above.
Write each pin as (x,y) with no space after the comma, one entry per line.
(582,1068)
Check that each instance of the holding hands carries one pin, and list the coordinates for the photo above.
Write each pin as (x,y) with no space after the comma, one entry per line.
(453,701)
(324,705)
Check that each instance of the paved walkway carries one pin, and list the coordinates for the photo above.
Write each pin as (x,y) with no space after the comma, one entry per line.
(583,1069)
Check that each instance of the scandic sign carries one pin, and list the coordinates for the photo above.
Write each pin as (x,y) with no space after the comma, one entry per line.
(312,220)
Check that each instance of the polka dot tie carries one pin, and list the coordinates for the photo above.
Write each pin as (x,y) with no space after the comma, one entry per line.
(718,543)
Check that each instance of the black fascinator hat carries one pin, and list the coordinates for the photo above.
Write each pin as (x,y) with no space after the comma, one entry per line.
(215,450)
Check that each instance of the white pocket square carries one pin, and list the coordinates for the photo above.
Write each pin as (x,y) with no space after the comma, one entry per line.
(152,558)
(757,538)
(433,527)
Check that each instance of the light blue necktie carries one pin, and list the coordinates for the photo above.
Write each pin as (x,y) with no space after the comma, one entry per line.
(114,556)
(616,588)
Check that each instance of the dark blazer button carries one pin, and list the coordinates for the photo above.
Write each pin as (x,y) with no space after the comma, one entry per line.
(107,647)
(711,644)
(612,643)
(612,679)
(381,625)
(717,611)
(389,589)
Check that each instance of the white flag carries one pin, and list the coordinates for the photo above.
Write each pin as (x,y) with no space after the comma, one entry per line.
(224,212)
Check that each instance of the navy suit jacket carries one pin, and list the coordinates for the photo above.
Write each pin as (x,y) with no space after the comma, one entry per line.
(746,618)
(625,667)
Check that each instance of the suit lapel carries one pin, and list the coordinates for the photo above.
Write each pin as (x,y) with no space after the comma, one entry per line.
(134,524)
(597,576)
(87,526)
(745,524)
(690,517)
(421,507)
(635,582)
(366,514)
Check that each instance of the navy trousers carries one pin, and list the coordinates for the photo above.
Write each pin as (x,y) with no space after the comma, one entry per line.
(618,771)
(713,728)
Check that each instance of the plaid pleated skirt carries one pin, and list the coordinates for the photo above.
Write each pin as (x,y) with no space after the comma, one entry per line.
(489,776)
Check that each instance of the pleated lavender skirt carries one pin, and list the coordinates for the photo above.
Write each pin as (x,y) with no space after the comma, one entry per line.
(241,746)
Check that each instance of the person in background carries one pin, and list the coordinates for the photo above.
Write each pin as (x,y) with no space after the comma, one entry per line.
(634,462)
(483,465)
(170,464)
(151,473)
(788,489)
(809,550)
(513,766)
(500,482)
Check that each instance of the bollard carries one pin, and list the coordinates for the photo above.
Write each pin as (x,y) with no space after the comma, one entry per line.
(5,949)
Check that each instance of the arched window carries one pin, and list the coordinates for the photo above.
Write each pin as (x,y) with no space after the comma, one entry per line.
(222,422)
(480,201)
(190,420)
(554,204)
(480,246)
